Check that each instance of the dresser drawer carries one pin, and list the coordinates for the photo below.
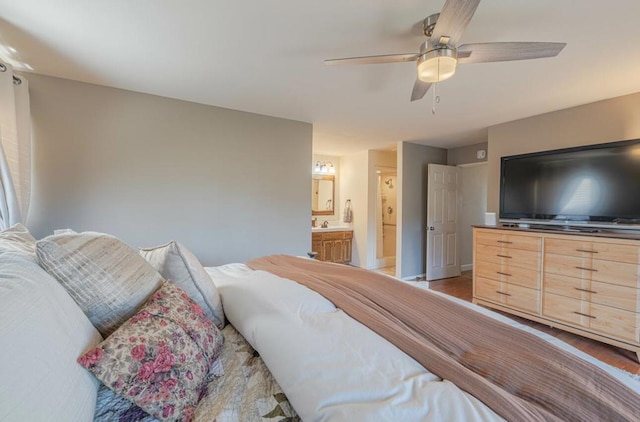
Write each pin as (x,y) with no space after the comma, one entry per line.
(595,249)
(608,321)
(619,273)
(508,240)
(615,322)
(574,311)
(587,268)
(616,296)
(529,260)
(507,294)
(508,273)
(613,295)
(570,266)
(575,288)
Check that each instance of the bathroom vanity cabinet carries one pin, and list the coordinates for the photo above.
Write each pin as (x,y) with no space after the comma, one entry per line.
(332,245)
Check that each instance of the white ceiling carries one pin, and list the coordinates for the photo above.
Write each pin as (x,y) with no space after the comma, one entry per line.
(267,57)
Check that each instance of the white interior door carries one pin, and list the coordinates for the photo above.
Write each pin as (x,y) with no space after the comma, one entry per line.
(443,210)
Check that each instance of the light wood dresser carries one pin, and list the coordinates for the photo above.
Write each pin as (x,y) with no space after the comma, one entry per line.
(332,246)
(588,284)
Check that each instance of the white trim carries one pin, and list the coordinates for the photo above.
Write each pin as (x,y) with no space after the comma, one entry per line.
(413,277)
(472,164)
(466,267)
(422,284)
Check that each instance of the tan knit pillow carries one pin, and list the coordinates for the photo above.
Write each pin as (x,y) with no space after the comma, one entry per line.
(108,279)
(176,263)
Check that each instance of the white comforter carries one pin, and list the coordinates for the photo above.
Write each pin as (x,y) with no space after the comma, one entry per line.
(331,367)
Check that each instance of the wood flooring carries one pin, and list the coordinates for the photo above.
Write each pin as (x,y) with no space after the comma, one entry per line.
(461,287)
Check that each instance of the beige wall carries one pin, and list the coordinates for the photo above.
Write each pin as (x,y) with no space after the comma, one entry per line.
(376,160)
(354,186)
(229,185)
(358,180)
(603,121)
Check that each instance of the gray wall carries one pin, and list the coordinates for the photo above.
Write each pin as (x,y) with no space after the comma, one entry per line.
(610,120)
(229,185)
(474,205)
(467,154)
(413,171)
(473,194)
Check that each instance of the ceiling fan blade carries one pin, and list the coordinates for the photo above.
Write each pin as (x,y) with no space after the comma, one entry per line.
(453,20)
(506,51)
(419,89)
(388,58)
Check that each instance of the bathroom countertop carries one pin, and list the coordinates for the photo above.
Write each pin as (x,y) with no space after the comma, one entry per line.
(331,229)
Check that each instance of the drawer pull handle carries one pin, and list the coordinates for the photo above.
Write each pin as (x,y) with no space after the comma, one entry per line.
(502,293)
(504,256)
(587,269)
(586,251)
(506,274)
(504,241)
(585,290)
(587,315)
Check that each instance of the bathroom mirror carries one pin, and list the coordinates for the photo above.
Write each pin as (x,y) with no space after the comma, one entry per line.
(322,194)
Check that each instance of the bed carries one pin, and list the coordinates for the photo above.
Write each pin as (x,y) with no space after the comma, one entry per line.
(274,347)
(332,367)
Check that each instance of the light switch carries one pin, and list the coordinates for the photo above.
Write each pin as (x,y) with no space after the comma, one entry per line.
(481,154)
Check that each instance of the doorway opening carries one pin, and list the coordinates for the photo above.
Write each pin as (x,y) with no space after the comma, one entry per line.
(386,219)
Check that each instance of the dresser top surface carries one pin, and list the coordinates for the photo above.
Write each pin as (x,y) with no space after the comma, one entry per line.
(559,231)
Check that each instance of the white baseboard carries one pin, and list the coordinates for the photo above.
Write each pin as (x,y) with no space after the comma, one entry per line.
(413,277)
(466,267)
(421,284)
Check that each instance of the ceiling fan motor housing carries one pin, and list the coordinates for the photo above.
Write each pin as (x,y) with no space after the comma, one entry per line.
(437,64)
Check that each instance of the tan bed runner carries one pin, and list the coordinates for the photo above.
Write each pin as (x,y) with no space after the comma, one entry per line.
(517,374)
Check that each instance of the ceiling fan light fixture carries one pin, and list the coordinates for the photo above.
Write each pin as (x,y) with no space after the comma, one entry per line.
(437,65)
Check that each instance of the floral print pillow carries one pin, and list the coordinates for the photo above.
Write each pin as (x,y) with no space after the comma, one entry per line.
(160,357)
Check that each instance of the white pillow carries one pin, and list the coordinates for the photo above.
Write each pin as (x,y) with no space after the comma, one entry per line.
(42,333)
(177,264)
(107,278)
(18,239)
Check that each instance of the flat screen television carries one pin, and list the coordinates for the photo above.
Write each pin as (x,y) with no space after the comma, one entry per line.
(593,186)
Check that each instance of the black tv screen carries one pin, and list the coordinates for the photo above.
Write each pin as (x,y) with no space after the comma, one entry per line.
(595,183)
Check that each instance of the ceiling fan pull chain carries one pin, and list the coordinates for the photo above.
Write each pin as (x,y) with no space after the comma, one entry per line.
(435,91)
(436,98)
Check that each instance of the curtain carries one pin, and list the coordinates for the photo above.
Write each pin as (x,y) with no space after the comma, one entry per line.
(15,147)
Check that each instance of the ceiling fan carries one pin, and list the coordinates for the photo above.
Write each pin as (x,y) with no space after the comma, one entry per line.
(440,53)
